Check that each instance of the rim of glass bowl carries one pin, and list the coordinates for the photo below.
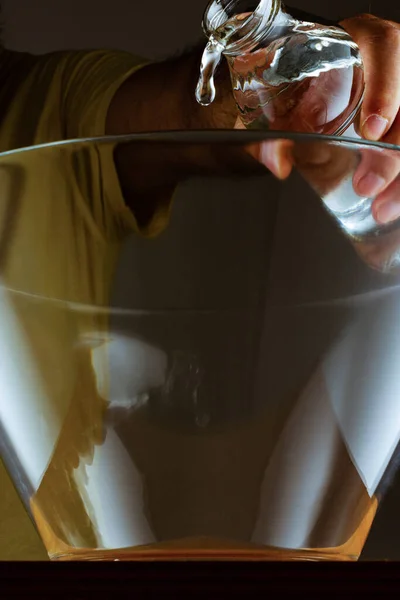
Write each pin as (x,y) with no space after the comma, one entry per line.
(207,136)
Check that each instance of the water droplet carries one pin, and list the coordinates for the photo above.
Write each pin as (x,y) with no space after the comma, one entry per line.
(205,91)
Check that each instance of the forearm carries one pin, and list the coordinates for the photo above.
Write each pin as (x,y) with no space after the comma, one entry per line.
(161,96)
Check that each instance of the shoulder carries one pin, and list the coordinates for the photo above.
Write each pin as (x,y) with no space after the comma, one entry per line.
(58,95)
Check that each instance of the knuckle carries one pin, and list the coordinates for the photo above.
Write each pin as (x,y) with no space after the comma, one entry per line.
(380,103)
(391,34)
(385,34)
(366,17)
(362,21)
(374,29)
(361,17)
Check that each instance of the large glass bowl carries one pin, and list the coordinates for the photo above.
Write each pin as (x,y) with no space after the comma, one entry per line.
(217,378)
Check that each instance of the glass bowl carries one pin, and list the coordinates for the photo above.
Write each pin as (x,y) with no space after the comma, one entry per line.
(215,377)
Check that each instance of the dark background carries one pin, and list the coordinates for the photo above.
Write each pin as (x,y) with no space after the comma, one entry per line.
(157,29)
(153,29)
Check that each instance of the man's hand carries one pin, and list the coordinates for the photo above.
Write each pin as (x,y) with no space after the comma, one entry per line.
(379,43)
(379,119)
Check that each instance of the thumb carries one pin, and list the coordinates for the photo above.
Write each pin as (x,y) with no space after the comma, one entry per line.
(276,155)
(379,44)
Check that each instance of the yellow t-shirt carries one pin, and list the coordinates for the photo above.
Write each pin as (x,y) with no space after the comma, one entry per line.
(71,201)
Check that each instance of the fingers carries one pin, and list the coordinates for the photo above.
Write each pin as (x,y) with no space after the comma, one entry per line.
(324,165)
(386,207)
(378,177)
(375,175)
(275,155)
(378,168)
(379,43)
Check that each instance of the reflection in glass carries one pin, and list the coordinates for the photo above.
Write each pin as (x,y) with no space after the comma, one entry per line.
(238,420)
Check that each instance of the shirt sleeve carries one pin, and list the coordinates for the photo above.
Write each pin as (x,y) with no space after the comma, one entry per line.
(89,81)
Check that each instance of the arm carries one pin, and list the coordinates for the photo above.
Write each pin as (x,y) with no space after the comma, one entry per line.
(161,96)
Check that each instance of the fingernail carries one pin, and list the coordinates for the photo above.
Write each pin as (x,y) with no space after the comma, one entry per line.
(370,185)
(388,211)
(374,127)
